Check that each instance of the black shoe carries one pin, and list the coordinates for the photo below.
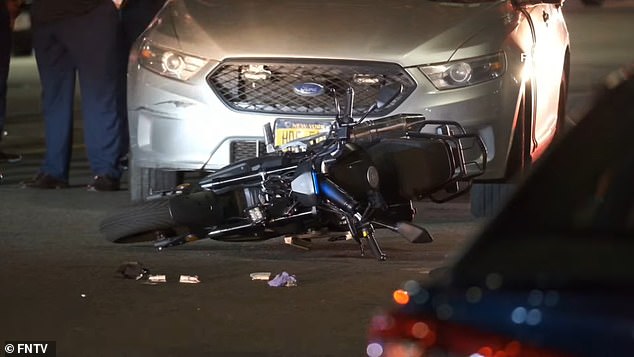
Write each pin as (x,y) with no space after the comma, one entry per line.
(104,183)
(45,181)
(10,158)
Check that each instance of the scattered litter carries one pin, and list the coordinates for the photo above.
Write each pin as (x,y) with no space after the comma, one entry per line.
(136,270)
(283,279)
(132,270)
(83,295)
(157,278)
(298,242)
(189,279)
(263,275)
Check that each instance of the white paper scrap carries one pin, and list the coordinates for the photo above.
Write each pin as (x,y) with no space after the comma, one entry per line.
(157,278)
(189,279)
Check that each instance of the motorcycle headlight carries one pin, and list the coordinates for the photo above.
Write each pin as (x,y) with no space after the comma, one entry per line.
(169,62)
(466,72)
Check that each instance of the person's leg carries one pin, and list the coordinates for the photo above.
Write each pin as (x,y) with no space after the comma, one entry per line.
(96,57)
(122,102)
(57,76)
(5,58)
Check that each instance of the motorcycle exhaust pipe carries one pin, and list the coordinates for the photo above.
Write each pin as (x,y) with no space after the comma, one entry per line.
(197,209)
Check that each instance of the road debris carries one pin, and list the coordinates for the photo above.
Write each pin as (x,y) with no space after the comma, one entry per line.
(157,278)
(132,270)
(283,279)
(187,279)
(300,243)
(262,275)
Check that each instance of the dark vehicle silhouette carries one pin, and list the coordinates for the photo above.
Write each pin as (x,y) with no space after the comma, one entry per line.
(552,274)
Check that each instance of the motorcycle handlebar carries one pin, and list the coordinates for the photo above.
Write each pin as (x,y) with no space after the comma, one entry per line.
(394,126)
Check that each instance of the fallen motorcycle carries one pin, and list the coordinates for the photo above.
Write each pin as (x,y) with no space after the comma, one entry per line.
(347,179)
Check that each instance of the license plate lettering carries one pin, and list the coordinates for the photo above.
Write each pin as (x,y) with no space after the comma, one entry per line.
(287,130)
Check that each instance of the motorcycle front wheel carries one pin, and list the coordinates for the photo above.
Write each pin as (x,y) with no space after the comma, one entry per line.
(140,222)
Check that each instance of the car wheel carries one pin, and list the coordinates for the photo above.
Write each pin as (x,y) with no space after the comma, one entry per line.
(145,181)
(488,198)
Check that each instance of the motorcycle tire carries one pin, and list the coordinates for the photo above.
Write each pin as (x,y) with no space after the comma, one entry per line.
(145,181)
(138,223)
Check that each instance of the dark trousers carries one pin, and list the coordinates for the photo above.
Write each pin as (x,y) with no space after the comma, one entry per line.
(5,57)
(85,47)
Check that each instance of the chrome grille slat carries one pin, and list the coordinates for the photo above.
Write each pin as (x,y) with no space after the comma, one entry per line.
(275,94)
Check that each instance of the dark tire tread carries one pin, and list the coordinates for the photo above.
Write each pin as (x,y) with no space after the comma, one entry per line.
(132,224)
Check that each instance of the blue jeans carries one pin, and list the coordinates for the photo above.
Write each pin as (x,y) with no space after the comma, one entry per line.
(83,47)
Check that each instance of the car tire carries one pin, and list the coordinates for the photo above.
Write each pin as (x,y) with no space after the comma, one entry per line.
(146,181)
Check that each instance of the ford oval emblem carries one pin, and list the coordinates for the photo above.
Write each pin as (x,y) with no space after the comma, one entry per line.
(308,89)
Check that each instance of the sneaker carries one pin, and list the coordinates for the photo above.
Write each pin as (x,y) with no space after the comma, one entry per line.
(45,181)
(103,183)
(10,158)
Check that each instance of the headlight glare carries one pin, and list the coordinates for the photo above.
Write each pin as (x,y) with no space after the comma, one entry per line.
(168,62)
(466,72)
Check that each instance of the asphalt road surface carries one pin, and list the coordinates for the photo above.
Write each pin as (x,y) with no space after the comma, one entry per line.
(58,279)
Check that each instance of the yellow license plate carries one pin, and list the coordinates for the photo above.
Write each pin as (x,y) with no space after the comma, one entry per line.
(287,130)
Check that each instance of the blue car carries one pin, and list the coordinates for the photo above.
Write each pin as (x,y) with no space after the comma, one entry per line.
(552,274)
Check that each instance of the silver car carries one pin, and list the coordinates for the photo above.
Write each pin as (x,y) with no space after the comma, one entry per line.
(208,74)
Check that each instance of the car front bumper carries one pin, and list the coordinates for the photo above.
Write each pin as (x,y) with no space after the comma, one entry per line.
(184,126)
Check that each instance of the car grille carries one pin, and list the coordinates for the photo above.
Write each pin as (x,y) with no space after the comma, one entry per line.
(264,86)
(242,149)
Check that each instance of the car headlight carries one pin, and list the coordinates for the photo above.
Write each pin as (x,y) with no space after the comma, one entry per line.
(466,72)
(169,62)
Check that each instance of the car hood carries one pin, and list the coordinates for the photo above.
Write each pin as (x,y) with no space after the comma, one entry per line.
(408,32)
